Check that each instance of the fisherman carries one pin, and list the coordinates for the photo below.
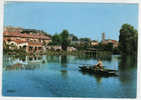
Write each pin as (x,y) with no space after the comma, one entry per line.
(99,65)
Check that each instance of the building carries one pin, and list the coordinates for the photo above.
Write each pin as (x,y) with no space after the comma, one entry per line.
(114,42)
(30,41)
(94,43)
(107,41)
(103,36)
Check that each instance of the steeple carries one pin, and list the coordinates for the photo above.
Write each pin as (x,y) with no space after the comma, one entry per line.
(103,36)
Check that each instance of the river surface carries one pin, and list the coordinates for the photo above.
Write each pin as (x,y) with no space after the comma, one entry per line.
(59,76)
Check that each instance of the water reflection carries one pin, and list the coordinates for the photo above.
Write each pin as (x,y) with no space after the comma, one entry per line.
(95,57)
(22,62)
(19,66)
(61,74)
(95,76)
(64,61)
(53,59)
(64,73)
(127,64)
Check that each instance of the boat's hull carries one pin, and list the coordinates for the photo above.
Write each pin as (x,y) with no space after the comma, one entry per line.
(100,72)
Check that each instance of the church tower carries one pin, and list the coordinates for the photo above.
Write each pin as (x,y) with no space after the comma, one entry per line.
(103,36)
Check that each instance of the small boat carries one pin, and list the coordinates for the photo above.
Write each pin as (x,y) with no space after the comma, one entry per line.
(100,72)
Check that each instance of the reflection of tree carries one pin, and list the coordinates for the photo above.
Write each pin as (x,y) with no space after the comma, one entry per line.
(127,62)
(64,61)
(104,57)
(64,64)
(126,66)
(97,56)
(22,58)
(54,59)
(83,57)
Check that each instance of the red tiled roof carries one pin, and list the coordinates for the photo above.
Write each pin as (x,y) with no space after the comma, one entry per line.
(18,41)
(34,44)
(110,41)
(35,36)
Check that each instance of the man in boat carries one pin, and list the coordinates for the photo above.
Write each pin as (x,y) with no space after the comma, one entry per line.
(99,65)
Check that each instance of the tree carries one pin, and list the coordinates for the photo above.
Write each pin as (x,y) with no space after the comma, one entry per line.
(56,39)
(109,47)
(85,39)
(128,39)
(75,38)
(64,38)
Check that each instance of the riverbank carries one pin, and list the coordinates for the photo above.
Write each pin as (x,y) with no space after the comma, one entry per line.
(103,55)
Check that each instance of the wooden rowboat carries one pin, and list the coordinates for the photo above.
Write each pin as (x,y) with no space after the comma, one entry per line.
(100,72)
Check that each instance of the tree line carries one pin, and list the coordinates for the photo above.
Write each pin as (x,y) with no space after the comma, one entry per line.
(64,39)
(127,41)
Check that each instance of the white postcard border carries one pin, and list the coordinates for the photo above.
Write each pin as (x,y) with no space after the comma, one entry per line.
(89,1)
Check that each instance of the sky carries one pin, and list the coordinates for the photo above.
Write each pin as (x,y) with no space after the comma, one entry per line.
(82,19)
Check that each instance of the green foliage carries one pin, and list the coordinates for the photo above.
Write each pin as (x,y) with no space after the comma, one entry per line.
(105,47)
(85,39)
(73,37)
(116,50)
(65,41)
(56,39)
(109,47)
(35,31)
(128,39)
(61,39)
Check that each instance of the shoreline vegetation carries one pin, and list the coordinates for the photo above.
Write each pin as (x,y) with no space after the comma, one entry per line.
(57,53)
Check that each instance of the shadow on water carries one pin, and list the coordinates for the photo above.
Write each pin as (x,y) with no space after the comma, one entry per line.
(96,76)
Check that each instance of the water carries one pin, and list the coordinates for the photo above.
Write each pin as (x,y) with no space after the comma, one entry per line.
(59,76)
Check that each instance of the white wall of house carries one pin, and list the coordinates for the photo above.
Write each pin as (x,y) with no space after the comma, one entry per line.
(22,44)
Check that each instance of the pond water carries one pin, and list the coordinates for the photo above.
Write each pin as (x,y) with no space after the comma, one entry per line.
(59,76)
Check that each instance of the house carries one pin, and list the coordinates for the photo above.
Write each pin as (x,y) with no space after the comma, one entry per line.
(107,41)
(94,43)
(71,49)
(31,41)
(114,42)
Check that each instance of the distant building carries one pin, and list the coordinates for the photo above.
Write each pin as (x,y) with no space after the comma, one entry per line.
(107,41)
(103,36)
(71,49)
(114,42)
(54,47)
(30,41)
(76,42)
(94,43)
